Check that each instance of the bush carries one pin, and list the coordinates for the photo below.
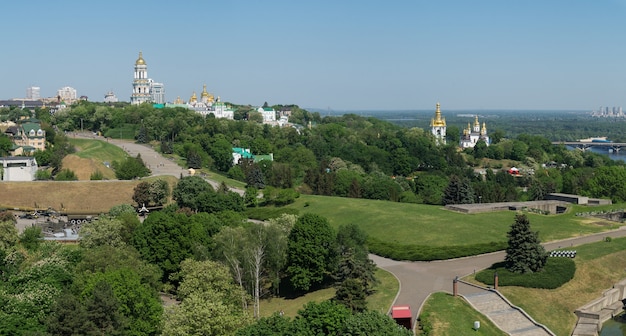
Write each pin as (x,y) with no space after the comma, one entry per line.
(266,213)
(66,175)
(427,253)
(555,274)
(42,175)
(96,176)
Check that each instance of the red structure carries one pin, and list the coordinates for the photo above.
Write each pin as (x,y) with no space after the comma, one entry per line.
(513,171)
(402,315)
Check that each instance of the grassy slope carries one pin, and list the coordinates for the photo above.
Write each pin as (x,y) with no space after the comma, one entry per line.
(598,266)
(380,301)
(453,316)
(98,149)
(433,225)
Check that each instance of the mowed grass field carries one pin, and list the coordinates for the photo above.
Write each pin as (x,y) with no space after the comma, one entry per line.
(435,226)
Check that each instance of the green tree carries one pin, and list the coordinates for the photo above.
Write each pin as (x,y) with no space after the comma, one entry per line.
(104,231)
(210,302)
(30,238)
(103,310)
(310,252)
(458,191)
(130,168)
(188,188)
(141,194)
(178,237)
(524,253)
(8,234)
(96,176)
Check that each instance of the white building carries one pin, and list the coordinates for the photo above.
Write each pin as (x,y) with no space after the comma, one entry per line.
(110,97)
(67,94)
(438,126)
(471,135)
(206,106)
(18,168)
(33,93)
(268,113)
(157,91)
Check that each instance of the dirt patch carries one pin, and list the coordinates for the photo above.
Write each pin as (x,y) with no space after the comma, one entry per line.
(75,196)
(83,168)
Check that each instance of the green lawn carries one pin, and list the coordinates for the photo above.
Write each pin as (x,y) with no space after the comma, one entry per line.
(434,226)
(98,149)
(449,315)
(380,301)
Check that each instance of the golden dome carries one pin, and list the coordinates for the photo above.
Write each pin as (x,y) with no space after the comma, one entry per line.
(193,98)
(178,100)
(204,92)
(476,123)
(140,60)
(438,120)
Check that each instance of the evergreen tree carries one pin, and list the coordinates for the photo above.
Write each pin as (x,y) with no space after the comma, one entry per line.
(458,191)
(524,253)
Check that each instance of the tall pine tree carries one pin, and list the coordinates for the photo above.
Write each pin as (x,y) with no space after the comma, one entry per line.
(524,253)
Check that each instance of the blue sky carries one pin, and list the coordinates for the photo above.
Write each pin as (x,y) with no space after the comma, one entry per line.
(337,55)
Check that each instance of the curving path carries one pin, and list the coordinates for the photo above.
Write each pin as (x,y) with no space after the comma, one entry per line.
(419,279)
(157,163)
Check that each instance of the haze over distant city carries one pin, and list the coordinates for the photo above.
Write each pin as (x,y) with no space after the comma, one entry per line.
(339,55)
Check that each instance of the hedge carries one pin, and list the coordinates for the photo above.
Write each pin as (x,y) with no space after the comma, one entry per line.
(427,253)
(555,274)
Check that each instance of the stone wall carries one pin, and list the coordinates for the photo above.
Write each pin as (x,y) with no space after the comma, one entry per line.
(592,315)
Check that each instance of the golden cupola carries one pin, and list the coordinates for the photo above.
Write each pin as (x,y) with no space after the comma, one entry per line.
(178,101)
(476,123)
(204,93)
(193,98)
(140,60)
(483,130)
(438,120)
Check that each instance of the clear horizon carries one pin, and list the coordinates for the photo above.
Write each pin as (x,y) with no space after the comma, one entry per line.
(368,55)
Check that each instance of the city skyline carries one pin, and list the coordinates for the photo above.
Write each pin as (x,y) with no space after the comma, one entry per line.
(366,55)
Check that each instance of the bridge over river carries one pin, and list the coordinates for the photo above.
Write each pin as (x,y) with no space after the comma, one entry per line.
(584,145)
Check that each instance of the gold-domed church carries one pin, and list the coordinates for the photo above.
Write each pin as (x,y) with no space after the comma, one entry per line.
(145,90)
(206,105)
(438,126)
(471,135)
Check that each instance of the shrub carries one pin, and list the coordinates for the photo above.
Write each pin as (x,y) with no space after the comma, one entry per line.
(66,175)
(427,253)
(555,274)
(96,176)
(266,213)
(43,175)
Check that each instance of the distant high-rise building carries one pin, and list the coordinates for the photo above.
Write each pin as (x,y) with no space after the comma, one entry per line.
(33,93)
(144,88)
(67,94)
(157,91)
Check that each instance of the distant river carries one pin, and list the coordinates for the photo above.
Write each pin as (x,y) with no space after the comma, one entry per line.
(621,155)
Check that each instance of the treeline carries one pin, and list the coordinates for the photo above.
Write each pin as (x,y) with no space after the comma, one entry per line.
(362,157)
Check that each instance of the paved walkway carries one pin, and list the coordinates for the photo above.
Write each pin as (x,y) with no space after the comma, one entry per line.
(419,279)
(157,163)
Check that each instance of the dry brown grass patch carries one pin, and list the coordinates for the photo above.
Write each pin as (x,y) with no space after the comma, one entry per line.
(83,168)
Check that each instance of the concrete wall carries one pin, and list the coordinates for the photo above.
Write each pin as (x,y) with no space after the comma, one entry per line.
(592,315)
(18,168)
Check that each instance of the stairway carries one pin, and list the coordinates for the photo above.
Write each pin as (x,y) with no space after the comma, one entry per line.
(506,317)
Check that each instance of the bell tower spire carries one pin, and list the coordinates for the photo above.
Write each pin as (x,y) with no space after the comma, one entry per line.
(438,126)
